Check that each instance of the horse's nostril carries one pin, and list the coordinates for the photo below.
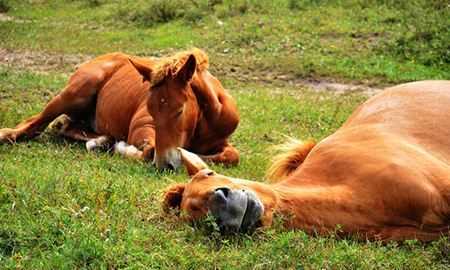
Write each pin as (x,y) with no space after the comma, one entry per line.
(225,191)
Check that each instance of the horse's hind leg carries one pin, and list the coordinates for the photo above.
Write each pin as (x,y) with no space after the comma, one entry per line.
(93,141)
(77,97)
(76,131)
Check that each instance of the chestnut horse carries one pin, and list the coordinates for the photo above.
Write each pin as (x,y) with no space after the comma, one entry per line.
(154,106)
(384,175)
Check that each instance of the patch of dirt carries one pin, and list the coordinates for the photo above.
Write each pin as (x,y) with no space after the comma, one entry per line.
(280,80)
(43,62)
(340,88)
(7,18)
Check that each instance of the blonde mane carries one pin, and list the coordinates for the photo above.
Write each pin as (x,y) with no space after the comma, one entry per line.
(171,64)
(291,155)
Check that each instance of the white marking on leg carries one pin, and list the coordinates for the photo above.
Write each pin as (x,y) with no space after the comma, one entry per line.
(120,147)
(127,150)
(91,145)
(97,142)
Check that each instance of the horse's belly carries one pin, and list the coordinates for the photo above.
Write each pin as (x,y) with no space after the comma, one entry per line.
(118,101)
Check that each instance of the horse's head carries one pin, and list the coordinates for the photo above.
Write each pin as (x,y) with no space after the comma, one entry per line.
(237,205)
(172,104)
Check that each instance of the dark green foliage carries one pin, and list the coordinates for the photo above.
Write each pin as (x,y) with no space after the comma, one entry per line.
(159,11)
(162,11)
(4,6)
(94,3)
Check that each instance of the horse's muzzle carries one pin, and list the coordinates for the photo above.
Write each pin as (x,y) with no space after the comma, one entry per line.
(171,159)
(235,210)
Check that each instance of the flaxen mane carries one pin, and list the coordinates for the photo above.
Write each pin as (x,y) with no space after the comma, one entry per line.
(170,65)
(291,156)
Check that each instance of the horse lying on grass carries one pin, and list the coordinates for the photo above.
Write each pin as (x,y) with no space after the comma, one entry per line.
(155,106)
(384,175)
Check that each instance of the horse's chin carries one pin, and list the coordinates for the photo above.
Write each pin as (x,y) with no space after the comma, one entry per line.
(236,211)
(170,159)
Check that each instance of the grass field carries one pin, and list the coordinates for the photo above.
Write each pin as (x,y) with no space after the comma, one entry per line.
(64,208)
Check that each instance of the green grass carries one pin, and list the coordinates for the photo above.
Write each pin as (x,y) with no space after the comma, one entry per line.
(374,41)
(64,208)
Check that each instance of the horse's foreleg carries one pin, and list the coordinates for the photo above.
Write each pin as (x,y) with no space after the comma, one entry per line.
(131,151)
(128,150)
(141,137)
(228,156)
(65,127)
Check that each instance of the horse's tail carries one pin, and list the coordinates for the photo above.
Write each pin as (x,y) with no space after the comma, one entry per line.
(291,156)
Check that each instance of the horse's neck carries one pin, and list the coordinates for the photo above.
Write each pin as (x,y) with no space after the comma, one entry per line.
(320,208)
(219,112)
(206,96)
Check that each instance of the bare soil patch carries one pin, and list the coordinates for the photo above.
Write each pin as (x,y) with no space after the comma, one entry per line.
(6,18)
(43,62)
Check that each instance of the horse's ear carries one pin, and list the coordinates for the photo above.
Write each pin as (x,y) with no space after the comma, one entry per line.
(143,68)
(185,73)
(192,162)
(173,196)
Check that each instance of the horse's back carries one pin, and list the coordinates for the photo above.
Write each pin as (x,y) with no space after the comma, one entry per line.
(417,112)
(395,149)
(409,130)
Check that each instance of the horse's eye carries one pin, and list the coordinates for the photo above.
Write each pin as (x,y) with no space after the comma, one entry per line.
(179,112)
(210,173)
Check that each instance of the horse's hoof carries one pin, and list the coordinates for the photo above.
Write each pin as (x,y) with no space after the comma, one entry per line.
(7,135)
(60,124)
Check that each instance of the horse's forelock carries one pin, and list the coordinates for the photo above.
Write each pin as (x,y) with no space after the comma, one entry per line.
(172,64)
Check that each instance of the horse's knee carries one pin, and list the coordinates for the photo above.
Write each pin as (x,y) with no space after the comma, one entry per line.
(144,138)
(230,156)
(61,124)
